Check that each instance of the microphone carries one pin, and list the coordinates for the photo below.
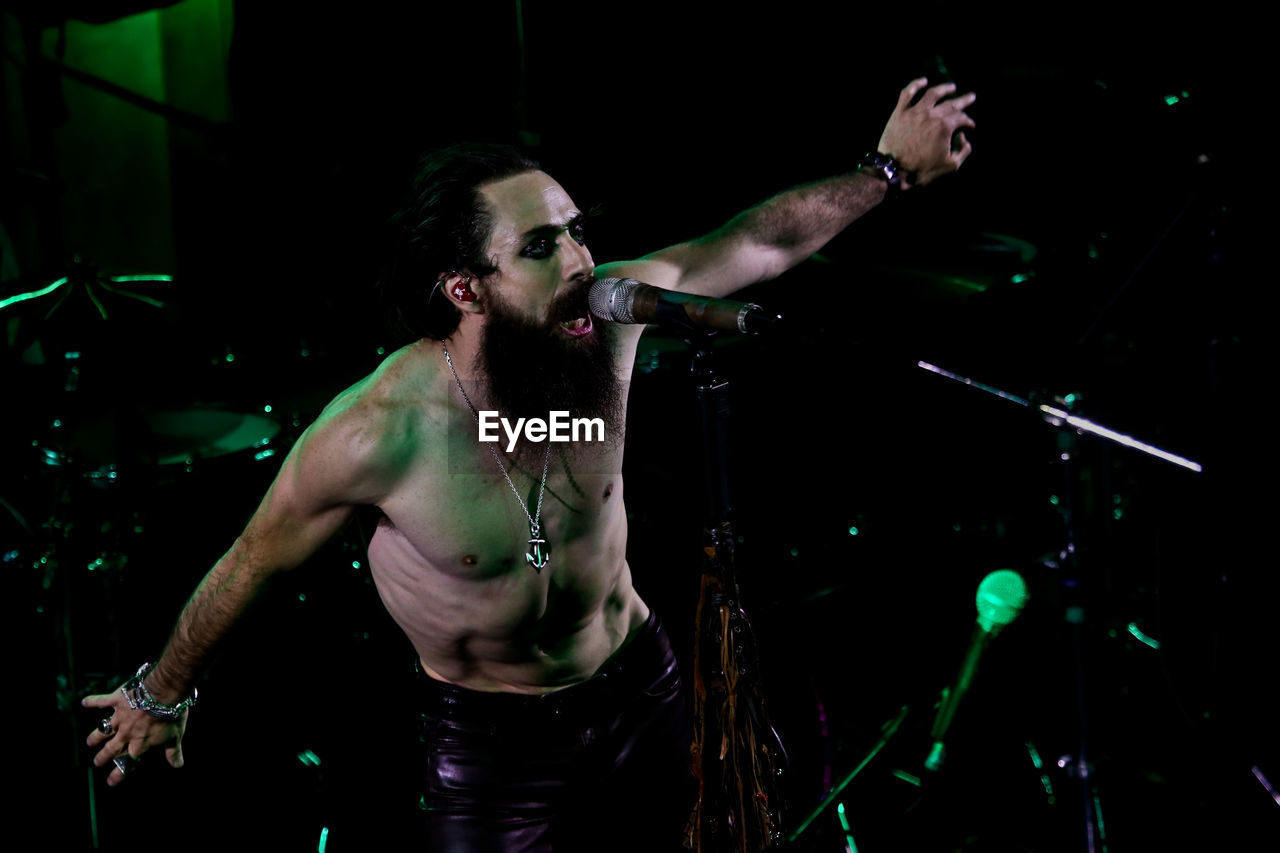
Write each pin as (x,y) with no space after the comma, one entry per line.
(625,300)
(1000,598)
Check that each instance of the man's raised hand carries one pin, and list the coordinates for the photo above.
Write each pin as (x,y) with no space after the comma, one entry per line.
(919,136)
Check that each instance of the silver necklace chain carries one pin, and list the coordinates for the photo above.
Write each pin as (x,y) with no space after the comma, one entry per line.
(537,556)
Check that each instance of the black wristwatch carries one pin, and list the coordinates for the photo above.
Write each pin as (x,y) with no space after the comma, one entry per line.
(883,166)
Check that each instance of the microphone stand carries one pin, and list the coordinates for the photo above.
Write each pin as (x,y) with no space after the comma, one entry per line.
(737,755)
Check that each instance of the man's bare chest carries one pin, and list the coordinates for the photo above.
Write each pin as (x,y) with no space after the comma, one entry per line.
(466,516)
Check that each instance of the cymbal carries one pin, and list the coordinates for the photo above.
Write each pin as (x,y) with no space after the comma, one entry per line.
(180,436)
(85,285)
(953,272)
(84,312)
(159,438)
(663,351)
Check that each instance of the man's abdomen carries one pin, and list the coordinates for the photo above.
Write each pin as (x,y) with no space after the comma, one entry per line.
(516,631)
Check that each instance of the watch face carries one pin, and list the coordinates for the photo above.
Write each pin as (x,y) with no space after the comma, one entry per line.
(884,166)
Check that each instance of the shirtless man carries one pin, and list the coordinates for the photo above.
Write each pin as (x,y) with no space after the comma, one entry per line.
(507,329)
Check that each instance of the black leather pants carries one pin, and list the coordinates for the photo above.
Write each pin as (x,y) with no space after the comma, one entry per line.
(602,765)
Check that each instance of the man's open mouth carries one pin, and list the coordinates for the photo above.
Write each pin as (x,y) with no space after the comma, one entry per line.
(573,311)
(578,326)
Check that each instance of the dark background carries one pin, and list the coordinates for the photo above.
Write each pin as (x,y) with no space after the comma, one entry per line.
(1094,244)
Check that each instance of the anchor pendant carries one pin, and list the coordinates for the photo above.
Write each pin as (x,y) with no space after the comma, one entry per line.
(538,556)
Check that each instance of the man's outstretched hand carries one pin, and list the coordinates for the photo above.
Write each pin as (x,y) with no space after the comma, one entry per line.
(919,136)
(132,733)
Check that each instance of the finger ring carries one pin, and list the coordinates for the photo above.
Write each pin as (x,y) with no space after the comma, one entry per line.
(125,763)
(105,726)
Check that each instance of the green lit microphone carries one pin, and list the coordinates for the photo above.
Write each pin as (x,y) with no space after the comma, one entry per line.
(1001,596)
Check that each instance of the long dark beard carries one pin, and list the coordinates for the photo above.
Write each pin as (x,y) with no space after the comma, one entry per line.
(533,368)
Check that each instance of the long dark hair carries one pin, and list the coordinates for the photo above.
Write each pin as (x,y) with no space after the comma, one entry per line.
(442,225)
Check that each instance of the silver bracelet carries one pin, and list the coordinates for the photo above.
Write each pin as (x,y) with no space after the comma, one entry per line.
(140,698)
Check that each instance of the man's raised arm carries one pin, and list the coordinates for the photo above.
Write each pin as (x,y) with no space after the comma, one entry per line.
(341,461)
(775,235)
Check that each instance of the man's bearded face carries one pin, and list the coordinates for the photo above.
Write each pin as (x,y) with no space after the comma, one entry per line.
(533,367)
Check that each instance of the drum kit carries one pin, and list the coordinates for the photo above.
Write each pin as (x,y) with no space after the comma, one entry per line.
(109,468)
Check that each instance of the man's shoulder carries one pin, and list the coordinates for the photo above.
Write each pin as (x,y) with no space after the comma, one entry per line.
(407,381)
(379,419)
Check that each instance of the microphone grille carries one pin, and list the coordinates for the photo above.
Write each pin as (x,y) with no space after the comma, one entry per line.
(1001,595)
(609,299)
